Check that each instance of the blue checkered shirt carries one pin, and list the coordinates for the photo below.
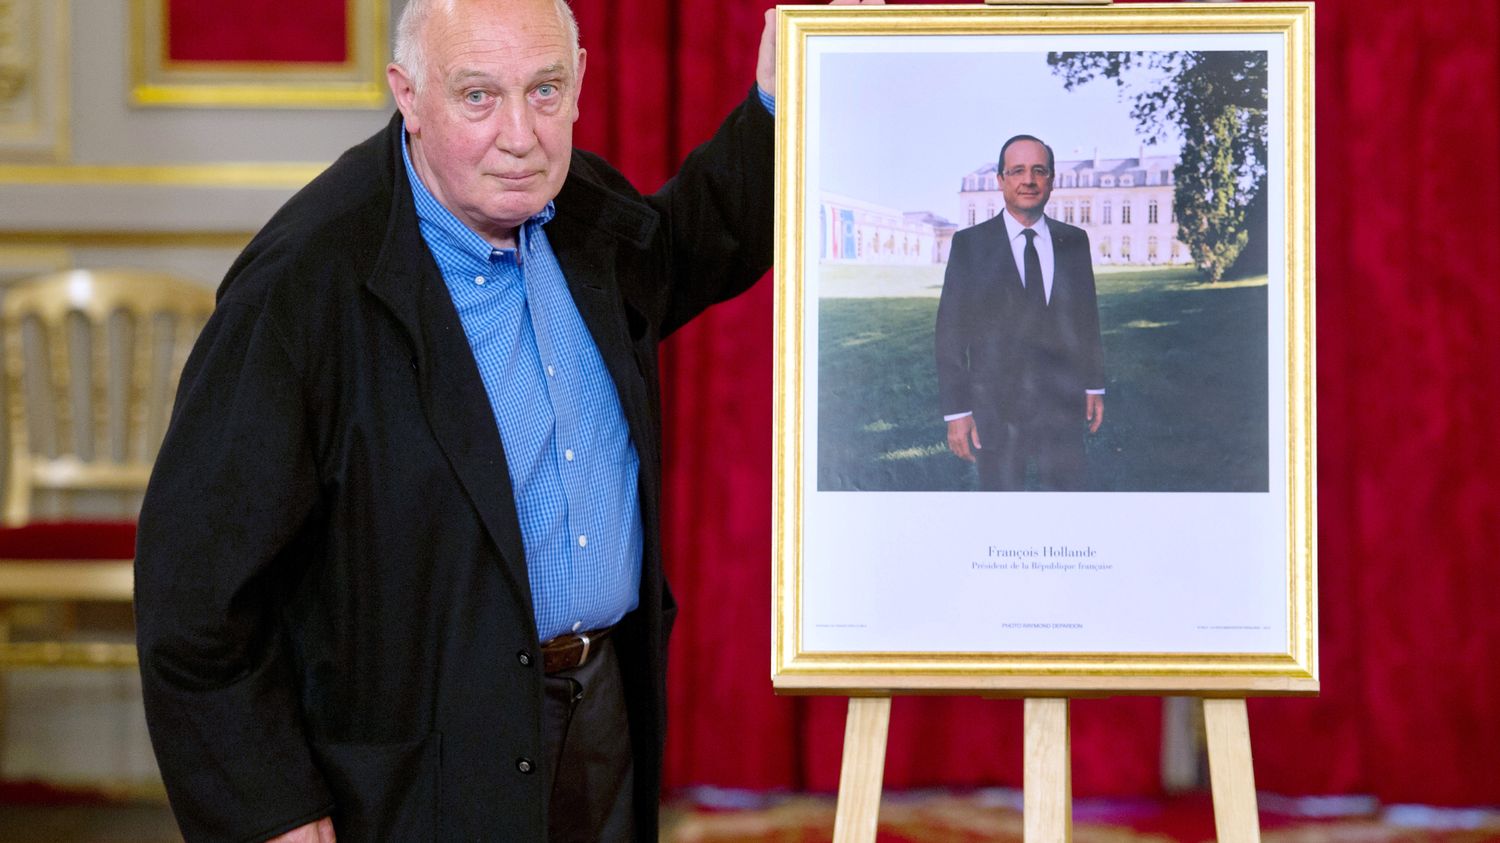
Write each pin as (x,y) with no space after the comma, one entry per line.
(572,464)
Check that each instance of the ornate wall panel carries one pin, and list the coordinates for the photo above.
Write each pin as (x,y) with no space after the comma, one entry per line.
(33,80)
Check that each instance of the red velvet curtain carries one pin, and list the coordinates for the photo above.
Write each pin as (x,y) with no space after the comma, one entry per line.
(1408,295)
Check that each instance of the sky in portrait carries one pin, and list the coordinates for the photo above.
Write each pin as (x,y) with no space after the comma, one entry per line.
(903,129)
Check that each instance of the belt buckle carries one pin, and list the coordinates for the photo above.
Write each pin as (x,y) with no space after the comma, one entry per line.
(583,656)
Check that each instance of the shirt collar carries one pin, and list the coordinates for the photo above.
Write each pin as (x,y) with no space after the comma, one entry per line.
(1013,227)
(431,212)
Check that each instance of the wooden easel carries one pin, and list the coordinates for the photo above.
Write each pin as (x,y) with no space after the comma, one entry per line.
(1048,782)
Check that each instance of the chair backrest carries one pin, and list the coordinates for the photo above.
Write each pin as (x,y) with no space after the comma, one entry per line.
(92,359)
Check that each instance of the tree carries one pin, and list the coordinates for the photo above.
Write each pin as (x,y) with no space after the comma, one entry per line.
(1217,102)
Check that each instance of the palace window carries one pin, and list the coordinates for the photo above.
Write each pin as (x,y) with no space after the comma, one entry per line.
(1067,212)
(1151,211)
(1151,249)
(1106,181)
(1107,212)
(1127,181)
(1104,248)
(1124,248)
(1125,212)
(972,214)
(990,211)
(1085,212)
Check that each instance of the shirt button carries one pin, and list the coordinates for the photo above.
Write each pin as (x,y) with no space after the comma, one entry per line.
(524,765)
(577,625)
(479,279)
(583,541)
(568,455)
(551,371)
(524,658)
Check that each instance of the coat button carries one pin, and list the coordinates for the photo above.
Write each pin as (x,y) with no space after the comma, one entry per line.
(524,765)
(524,658)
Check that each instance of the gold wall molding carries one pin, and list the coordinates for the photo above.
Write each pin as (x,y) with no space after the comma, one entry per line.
(53,242)
(270,175)
(357,82)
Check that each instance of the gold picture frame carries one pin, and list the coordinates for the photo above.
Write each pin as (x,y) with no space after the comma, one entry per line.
(1207,591)
(357,82)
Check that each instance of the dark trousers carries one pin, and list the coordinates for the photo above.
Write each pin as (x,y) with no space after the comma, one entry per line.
(1054,447)
(588,741)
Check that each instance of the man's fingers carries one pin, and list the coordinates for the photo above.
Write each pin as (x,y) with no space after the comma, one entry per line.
(960,432)
(960,448)
(765,61)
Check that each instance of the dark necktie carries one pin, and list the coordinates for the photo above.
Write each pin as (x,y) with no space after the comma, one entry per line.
(1033,277)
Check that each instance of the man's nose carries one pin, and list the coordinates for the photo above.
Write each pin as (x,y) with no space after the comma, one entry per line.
(517,131)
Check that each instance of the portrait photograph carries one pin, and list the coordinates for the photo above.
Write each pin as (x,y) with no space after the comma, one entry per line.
(1042,337)
(1172,217)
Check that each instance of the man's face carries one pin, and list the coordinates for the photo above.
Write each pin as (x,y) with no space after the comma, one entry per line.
(492,127)
(1026,180)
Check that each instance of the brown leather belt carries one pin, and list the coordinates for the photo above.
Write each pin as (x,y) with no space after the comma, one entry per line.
(566,652)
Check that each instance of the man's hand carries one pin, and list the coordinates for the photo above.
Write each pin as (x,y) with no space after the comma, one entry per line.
(320,831)
(765,62)
(961,435)
(1093,411)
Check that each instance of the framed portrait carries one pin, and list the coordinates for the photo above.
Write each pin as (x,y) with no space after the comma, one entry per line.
(233,54)
(1045,419)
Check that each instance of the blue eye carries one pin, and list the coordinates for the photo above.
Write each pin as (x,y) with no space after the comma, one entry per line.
(547,90)
(474,97)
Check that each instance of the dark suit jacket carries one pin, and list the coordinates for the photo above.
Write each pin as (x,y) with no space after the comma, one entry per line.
(332,599)
(983,359)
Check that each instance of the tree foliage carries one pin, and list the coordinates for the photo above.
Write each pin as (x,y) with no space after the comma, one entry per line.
(1217,102)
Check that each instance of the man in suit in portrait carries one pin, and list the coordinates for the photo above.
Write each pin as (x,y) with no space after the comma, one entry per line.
(1019,358)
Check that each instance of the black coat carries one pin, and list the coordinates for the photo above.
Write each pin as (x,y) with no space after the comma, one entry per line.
(331,595)
(985,350)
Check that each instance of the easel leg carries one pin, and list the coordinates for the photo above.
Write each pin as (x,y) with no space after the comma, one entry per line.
(1230,771)
(865,732)
(1048,783)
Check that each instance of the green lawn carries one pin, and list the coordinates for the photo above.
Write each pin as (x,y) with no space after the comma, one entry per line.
(1185,367)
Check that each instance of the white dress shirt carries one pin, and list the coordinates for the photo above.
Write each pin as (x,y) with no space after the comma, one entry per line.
(1015,229)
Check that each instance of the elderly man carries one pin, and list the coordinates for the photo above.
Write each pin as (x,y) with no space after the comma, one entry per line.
(399,568)
(1019,358)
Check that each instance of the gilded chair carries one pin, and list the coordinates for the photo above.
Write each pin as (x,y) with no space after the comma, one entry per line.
(92,360)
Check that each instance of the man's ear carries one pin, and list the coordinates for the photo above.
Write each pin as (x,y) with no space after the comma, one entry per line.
(405,94)
(583,61)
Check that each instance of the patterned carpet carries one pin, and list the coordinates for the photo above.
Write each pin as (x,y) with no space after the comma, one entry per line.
(710,816)
(49,815)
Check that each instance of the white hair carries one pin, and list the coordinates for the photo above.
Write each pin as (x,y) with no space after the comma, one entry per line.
(411,53)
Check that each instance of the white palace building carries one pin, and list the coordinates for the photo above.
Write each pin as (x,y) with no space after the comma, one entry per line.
(1125,205)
